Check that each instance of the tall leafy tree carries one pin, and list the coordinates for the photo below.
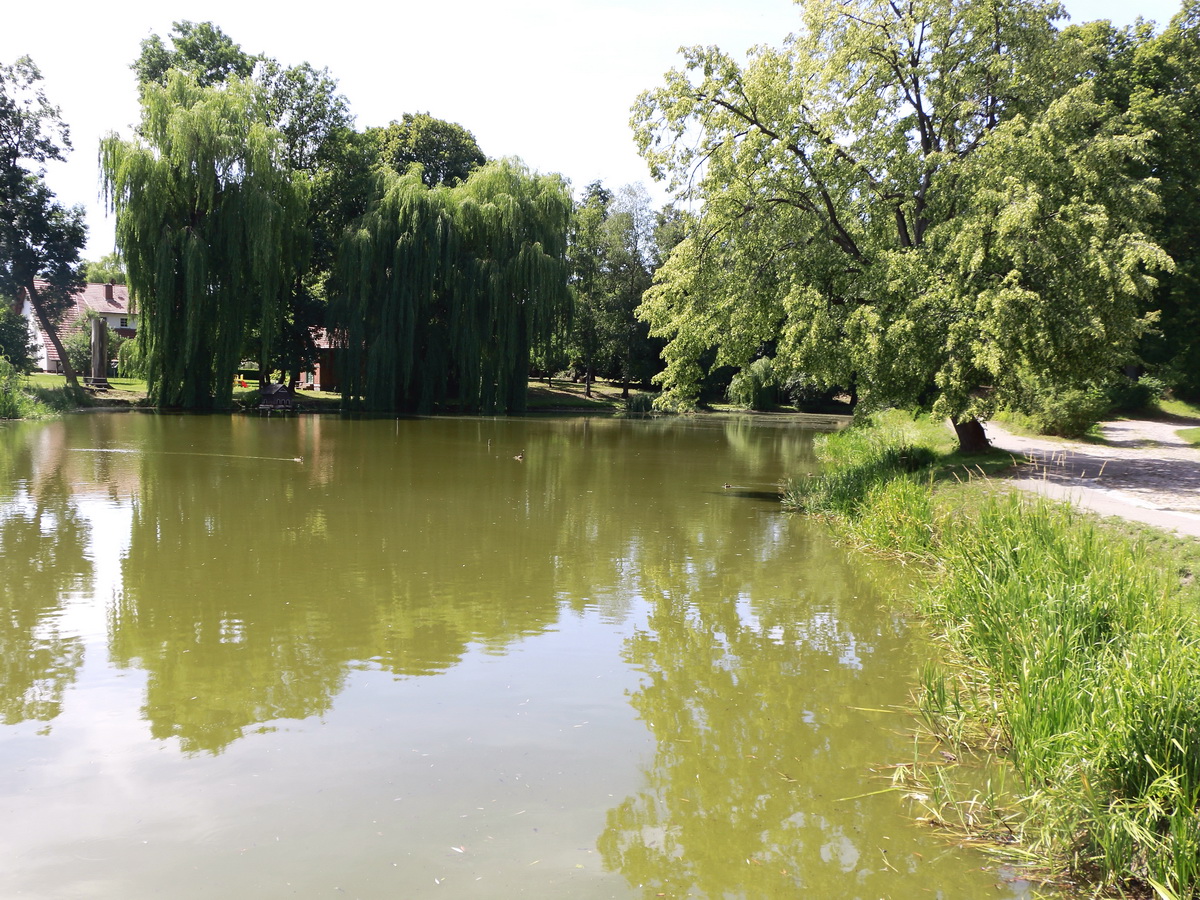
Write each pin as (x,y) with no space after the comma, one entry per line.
(1156,78)
(904,199)
(14,339)
(107,268)
(587,253)
(442,292)
(630,232)
(613,252)
(40,240)
(209,224)
(201,49)
(446,151)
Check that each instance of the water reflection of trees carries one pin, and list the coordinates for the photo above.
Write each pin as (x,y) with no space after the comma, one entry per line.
(268,560)
(43,541)
(753,662)
(254,583)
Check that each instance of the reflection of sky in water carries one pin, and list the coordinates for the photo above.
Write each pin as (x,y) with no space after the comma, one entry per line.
(108,525)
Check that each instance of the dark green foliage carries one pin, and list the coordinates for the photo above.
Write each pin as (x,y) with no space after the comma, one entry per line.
(614,249)
(1154,80)
(39,238)
(803,392)
(1066,410)
(203,50)
(441,293)
(78,344)
(1130,395)
(14,338)
(640,405)
(304,106)
(446,152)
(210,226)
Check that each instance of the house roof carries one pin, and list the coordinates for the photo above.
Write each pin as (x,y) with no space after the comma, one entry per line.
(90,296)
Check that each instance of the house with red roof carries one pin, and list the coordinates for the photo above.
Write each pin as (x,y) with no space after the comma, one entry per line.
(109,301)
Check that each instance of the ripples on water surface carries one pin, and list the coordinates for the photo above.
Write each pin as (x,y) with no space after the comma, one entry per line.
(318,657)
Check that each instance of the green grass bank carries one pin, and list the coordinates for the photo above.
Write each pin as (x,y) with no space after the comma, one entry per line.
(1073,648)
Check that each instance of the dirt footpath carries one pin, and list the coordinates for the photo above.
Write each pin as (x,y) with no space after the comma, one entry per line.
(1141,470)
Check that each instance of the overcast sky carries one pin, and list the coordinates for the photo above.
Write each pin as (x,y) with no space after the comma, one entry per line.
(550,81)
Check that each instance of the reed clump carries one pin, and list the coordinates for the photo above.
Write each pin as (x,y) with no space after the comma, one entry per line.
(1079,647)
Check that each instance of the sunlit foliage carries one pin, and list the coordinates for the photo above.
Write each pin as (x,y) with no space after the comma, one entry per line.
(207,221)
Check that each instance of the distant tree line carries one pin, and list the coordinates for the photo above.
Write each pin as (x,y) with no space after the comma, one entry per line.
(957,205)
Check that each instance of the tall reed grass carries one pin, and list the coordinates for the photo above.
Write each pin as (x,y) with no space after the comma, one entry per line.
(1078,647)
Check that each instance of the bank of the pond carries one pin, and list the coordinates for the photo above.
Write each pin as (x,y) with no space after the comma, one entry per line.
(1076,654)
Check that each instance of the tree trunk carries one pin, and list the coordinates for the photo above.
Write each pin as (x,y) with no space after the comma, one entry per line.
(971,437)
(52,333)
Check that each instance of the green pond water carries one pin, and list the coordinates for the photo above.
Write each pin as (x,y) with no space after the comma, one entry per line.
(316,657)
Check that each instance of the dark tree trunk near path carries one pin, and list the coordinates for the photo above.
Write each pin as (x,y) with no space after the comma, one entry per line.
(52,333)
(971,437)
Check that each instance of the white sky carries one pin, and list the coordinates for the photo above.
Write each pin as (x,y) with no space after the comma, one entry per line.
(550,81)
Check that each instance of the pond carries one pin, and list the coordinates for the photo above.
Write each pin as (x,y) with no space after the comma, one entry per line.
(321,657)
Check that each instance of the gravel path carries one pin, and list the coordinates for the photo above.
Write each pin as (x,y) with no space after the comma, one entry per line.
(1142,470)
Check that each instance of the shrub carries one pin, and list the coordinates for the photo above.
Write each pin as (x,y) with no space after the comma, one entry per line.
(1068,412)
(639,404)
(1136,394)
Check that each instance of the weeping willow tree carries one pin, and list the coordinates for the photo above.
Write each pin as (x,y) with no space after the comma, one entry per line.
(209,224)
(442,292)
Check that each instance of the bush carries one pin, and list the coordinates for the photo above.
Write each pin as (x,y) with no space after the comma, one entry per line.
(639,404)
(1136,394)
(10,391)
(78,344)
(15,344)
(1066,412)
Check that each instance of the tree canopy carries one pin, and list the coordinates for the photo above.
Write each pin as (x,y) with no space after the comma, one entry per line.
(446,151)
(40,240)
(613,253)
(1155,80)
(201,49)
(912,199)
(442,292)
(208,221)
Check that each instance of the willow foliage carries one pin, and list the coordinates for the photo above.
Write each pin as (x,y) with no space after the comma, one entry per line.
(442,292)
(908,198)
(208,224)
